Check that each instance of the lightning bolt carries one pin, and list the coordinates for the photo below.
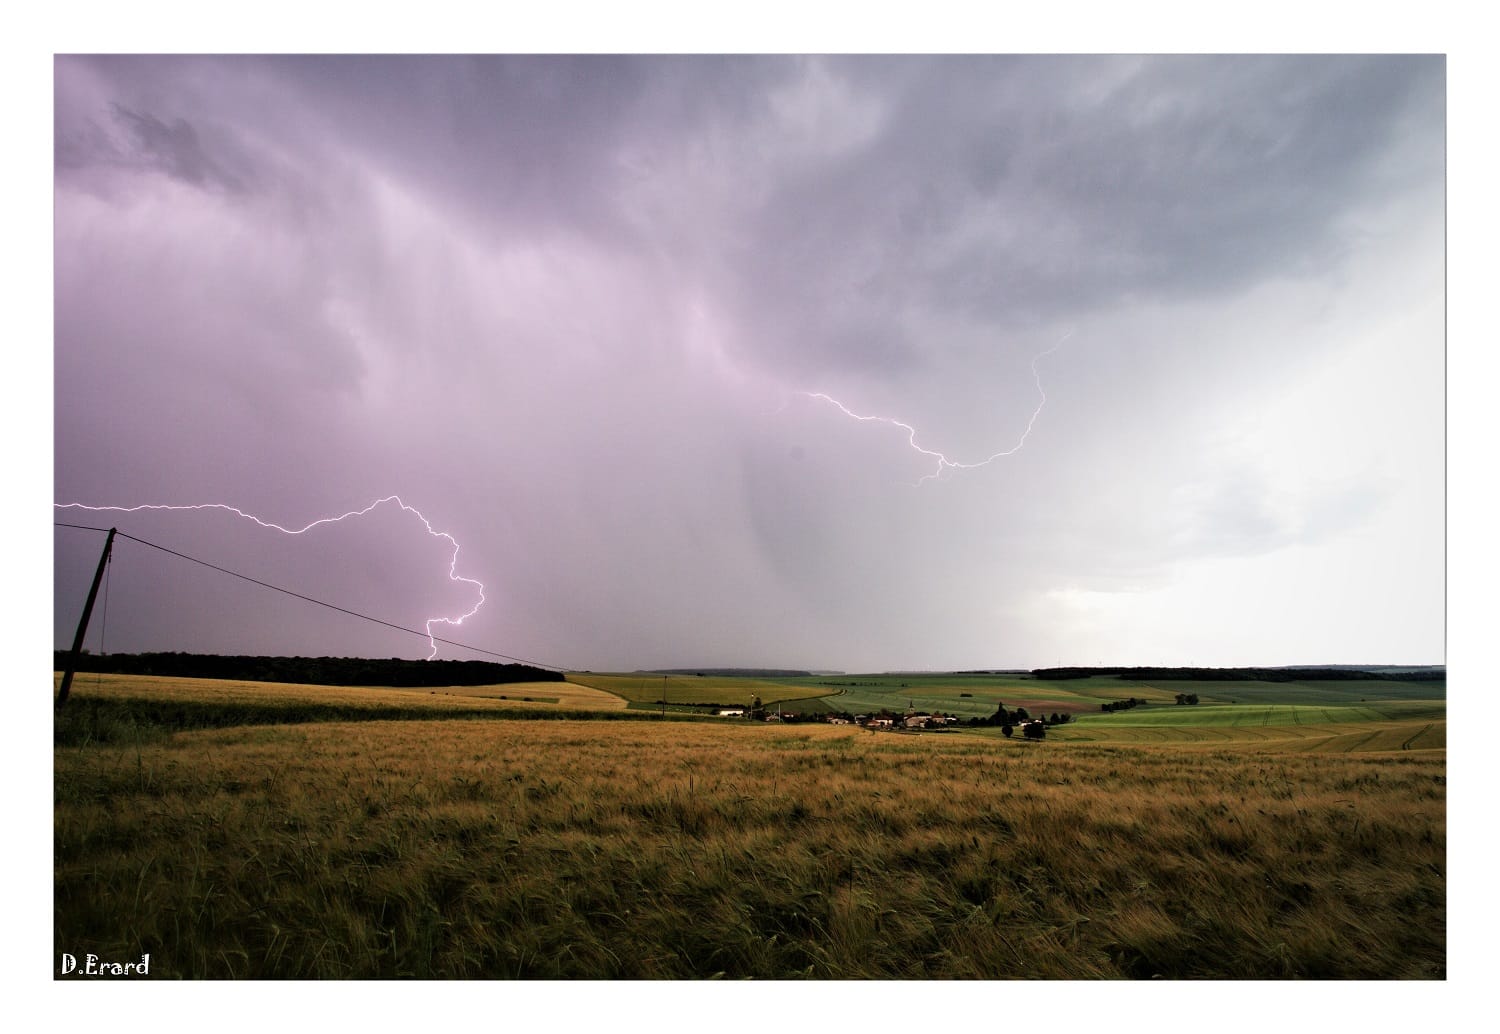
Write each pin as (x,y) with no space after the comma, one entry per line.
(453,574)
(942,461)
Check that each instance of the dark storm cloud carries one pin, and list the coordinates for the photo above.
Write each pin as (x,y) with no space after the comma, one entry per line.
(523,141)
(175,148)
(1017,190)
(109,134)
(1008,190)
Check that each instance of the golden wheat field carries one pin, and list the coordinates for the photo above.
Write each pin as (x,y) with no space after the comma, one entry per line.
(231,693)
(477,847)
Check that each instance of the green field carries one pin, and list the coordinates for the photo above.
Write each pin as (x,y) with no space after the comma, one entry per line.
(1311,692)
(966,695)
(977,695)
(1285,728)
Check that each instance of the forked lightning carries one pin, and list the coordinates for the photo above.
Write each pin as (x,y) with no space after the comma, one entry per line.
(943,462)
(453,574)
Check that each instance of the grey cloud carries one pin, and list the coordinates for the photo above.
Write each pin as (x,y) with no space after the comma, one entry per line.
(1188,176)
(522,142)
(174,148)
(1010,191)
(124,136)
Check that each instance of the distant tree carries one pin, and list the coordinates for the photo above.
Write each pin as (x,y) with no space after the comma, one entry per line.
(1035,730)
(1007,729)
(1021,714)
(1192,698)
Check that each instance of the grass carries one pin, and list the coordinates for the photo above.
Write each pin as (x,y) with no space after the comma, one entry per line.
(471,847)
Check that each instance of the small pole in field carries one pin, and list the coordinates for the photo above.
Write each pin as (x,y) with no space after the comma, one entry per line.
(83,622)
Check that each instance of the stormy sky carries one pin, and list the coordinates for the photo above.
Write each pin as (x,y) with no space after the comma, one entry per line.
(577,311)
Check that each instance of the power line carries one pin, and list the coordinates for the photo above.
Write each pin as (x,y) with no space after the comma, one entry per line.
(309,599)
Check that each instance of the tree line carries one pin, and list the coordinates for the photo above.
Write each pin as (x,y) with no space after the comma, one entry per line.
(1240,674)
(323,671)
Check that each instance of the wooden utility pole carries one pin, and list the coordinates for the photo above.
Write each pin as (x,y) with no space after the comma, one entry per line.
(83,622)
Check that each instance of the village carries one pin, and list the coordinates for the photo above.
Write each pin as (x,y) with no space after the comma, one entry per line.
(1008,721)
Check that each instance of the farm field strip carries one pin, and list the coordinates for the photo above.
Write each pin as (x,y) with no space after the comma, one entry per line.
(563,694)
(1332,691)
(1240,715)
(173,689)
(728,691)
(976,696)
(1336,738)
(858,700)
(1086,693)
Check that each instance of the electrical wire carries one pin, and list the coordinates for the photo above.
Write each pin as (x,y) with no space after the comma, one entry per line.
(309,599)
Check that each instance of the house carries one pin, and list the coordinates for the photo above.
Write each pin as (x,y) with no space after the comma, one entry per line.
(732,712)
